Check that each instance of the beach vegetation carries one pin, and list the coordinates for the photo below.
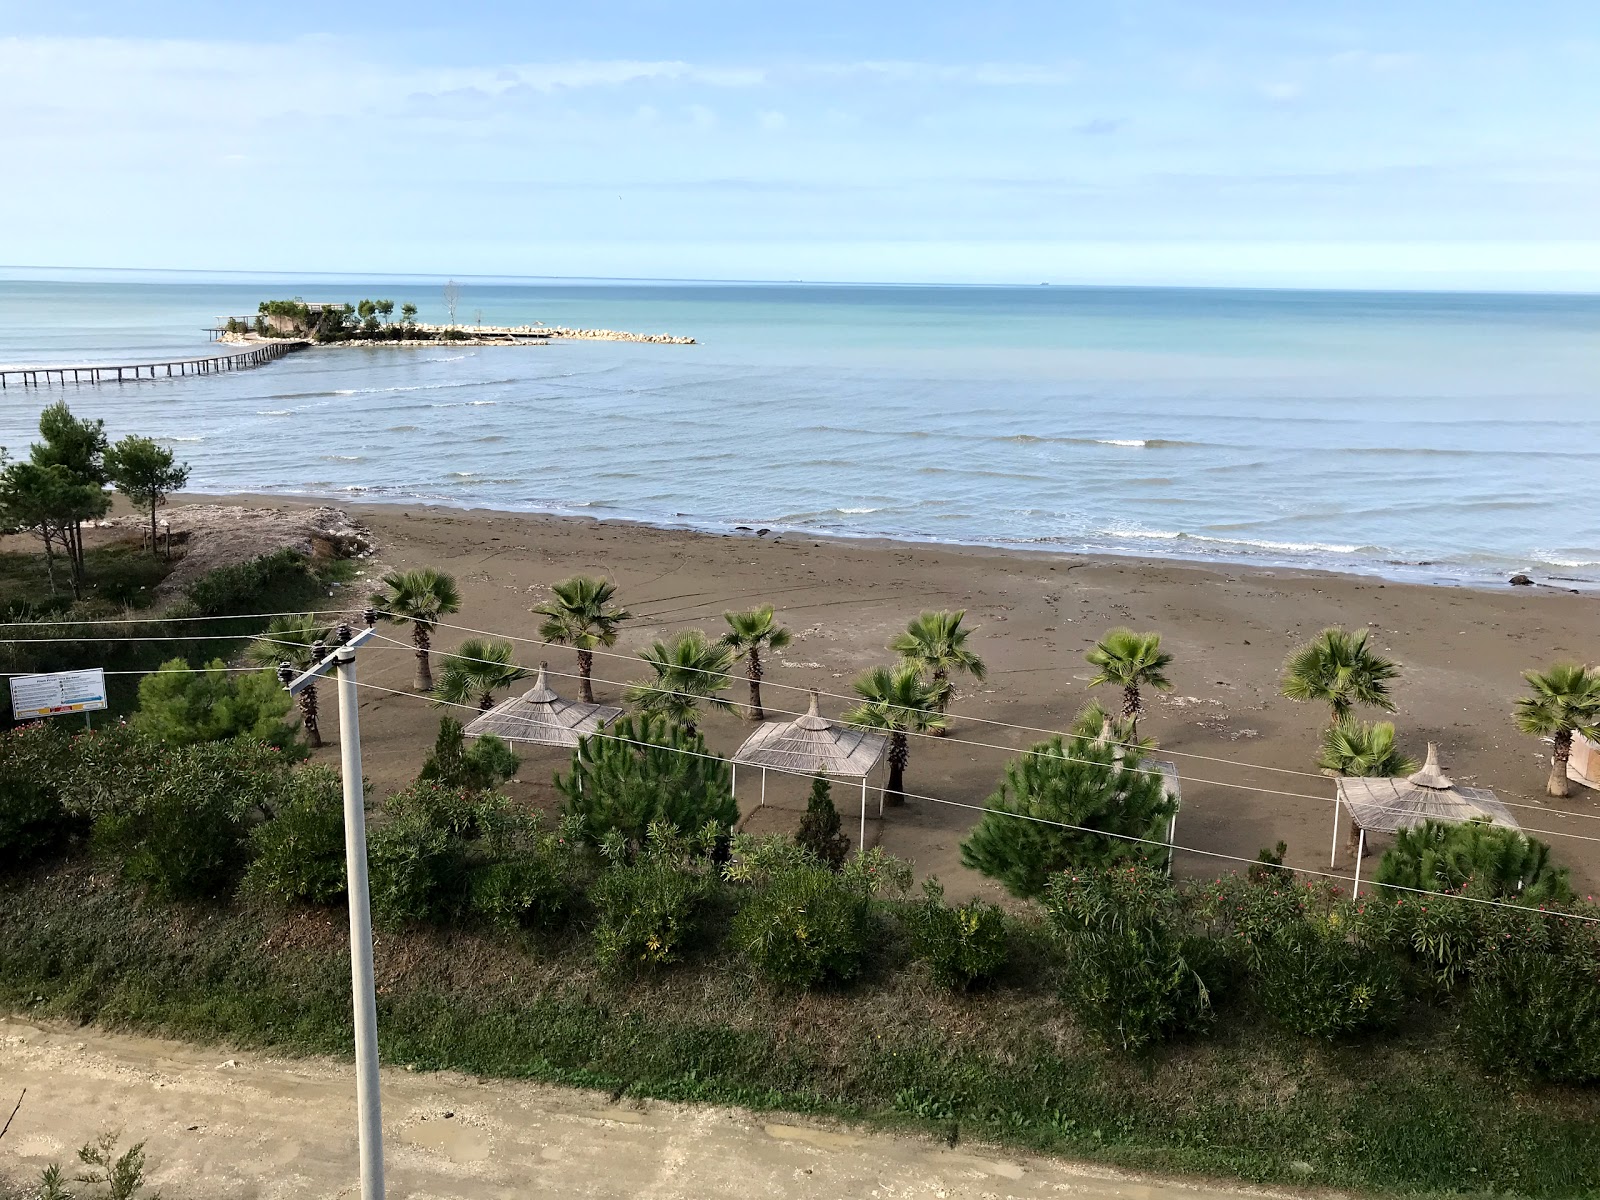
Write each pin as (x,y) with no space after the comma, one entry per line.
(299,641)
(298,855)
(650,899)
(1083,804)
(1562,700)
(477,669)
(642,769)
(936,644)
(1477,858)
(582,613)
(964,945)
(180,705)
(819,832)
(752,635)
(146,473)
(1357,749)
(418,599)
(688,670)
(479,766)
(902,703)
(1341,670)
(1133,662)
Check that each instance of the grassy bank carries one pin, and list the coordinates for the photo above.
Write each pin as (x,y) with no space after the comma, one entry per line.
(1401,1113)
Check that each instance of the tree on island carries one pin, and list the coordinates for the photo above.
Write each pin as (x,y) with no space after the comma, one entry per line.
(418,598)
(408,315)
(1565,700)
(1339,669)
(936,644)
(385,309)
(898,701)
(581,614)
(1131,661)
(146,474)
(750,635)
(452,297)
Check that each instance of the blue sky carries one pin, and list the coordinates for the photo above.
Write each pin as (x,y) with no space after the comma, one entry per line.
(1452,145)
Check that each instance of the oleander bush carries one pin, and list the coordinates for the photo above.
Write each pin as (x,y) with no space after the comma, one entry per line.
(963,944)
(1137,972)
(1321,982)
(417,852)
(34,759)
(179,821)
(299,854)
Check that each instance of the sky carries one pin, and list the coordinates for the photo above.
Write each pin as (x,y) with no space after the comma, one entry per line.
(1402,144)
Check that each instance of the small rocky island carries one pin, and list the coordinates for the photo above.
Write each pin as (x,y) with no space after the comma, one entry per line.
(372,322)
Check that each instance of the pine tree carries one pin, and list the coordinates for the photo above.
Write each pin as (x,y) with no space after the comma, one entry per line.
(819,828)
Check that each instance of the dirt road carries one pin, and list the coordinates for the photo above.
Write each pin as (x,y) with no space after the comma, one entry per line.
(221,1123)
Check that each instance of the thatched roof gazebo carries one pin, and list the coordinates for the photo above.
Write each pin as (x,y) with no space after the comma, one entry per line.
(540,717)
(1390,805)
(813,745)
(1171,783)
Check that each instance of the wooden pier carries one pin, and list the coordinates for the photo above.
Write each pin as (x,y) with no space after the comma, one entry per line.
(255,356)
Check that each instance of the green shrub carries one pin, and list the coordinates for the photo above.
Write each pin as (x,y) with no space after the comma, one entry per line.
(415,856)
(181,823)
(1135,974)
(805,926)
(527,887)
(643,770)
(1478,858)
(34,760)
(237,588)
(1323,984)
(452,763)
(962,944)
(647,911)
(1079,782)
(300,852)
(819,827)
(181,706)
(1533,1006)
(1440,937)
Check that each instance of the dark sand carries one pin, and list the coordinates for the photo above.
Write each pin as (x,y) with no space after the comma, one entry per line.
(1230,628)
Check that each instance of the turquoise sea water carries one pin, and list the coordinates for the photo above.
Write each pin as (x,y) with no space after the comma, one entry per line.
(1441,437)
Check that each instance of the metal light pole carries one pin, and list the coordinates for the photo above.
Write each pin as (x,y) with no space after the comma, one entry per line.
(369,1105)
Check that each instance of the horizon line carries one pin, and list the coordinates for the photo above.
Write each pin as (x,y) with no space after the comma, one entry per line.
(757,282)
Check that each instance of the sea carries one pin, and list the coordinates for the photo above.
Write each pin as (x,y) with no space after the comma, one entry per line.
(1447,438)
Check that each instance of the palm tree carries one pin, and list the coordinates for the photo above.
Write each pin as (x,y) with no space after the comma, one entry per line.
(1131,661)
(688,669)
(293,640)
(474,671)
(1565,700)
(899,701)
(1356,749)
(580,614)
(1338,668)
(1093,723)
(418,598)
(750,634)
(936,644)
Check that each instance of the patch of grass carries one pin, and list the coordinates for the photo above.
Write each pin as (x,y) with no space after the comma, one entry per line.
(118,573)
(1403,1113)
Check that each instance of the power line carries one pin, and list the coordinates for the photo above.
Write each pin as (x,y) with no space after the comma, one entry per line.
(1261,791)
(1024,816)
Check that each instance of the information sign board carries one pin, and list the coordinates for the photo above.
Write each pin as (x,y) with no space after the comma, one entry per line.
(57,693)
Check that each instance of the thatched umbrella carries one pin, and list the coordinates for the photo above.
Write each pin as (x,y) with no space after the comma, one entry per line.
(1390,805)
(540,717)
(813,745)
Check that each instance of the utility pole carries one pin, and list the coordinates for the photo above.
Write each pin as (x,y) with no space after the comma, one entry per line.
(369,1105)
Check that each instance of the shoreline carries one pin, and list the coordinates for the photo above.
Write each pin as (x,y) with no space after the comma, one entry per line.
(1419,574)
(480,335)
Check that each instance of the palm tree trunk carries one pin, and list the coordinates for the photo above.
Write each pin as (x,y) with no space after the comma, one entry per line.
(419,635)
(689,727)
(940,678)
(1558,785)
(485,702)
(757,713)
(894,794)
(585,668)
(1132,706)
(308,716)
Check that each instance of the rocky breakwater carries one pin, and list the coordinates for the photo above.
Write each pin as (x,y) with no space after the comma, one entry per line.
(615,335)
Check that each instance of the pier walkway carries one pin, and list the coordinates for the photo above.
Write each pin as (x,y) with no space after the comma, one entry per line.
(45,376)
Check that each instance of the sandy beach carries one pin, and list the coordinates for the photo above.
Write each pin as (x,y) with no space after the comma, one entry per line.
(1461,649)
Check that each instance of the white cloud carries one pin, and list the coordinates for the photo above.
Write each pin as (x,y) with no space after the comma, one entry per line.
(773,121)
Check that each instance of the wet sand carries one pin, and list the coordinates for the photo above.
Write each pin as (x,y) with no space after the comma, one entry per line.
(1462,651)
